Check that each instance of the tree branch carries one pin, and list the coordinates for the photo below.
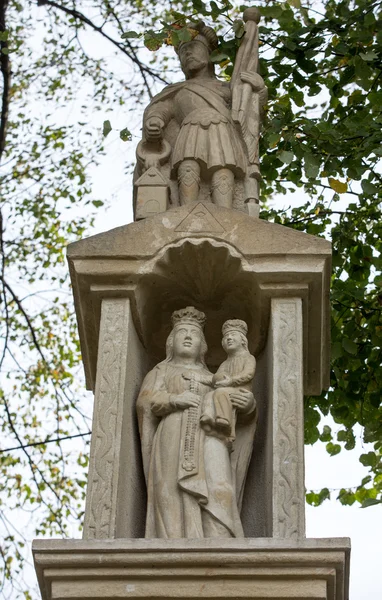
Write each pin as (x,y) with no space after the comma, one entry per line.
(29,322)
(131,54)
(132,50)
(6,73)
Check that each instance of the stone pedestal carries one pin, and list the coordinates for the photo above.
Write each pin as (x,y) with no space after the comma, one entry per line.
(316,569)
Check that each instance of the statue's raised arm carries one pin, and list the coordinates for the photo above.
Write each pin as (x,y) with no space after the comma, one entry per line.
(249,96)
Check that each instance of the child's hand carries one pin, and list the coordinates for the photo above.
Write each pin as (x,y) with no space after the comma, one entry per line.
(222,381)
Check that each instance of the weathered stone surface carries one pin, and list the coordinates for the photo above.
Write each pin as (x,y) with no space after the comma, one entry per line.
(195,469)
(242,269)
(224,262)
(151,195)
(202,135)
(286,406)
(274,495)
(114,499)
(315,569)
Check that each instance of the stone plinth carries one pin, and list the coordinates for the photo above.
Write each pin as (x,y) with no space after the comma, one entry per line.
(315,569)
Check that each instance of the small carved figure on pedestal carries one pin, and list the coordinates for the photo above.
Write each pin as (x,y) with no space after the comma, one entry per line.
(194,478)
(233,376)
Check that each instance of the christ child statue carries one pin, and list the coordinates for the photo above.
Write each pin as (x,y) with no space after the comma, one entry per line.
(234,374)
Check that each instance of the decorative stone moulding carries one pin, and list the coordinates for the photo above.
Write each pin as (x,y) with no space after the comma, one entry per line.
(225,263)
(315,569)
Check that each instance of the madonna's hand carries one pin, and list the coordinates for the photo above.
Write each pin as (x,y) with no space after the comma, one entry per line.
(185,400)
(243,400)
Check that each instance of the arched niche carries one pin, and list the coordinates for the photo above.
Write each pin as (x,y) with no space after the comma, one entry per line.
(207,274)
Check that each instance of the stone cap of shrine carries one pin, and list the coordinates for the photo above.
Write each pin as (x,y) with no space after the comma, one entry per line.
(224,262)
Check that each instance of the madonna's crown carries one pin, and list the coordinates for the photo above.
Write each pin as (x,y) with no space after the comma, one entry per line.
(188,315)
(235,325)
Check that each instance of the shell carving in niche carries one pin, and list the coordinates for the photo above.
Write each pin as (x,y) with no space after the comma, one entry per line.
(204,273)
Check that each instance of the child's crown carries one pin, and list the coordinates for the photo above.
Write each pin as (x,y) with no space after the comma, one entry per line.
(235,325)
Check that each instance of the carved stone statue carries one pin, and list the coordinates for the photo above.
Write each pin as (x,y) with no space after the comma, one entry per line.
(195,478)
(201,135)
(235,374)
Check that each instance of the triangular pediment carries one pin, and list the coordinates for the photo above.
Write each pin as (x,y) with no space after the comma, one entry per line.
(151,177)
(200,220)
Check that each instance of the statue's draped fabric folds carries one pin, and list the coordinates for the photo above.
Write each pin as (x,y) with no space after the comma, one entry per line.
(194,476)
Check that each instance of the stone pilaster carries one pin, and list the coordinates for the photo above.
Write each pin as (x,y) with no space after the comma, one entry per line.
(112,505)
(287,417)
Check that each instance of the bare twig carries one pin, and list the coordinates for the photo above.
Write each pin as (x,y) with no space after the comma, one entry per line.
(125,49)
(27,318)
(47,441)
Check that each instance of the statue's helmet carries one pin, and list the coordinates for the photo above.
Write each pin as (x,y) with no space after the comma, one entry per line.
(202,33)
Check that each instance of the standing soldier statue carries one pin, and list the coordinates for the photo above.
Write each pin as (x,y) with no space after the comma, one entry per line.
(202,134)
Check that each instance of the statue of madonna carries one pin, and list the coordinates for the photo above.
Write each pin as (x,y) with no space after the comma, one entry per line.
(194,478)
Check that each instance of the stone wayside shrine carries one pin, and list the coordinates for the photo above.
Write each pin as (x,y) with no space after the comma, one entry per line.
(202,326)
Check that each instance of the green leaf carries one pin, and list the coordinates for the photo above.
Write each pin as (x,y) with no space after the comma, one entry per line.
(311,165)
(313,499)
(130,35)
(333,449)
(368,56)
(238,28)
(274,11)
(337,350)
(346,497)
(218,56)
(368,187)
(368,460)
(125,135)
(184,34)
(326,434)
(152,42)
(106,128)
(174,38)
(350,346)
(366,480)
(273,139)
(370,502)
(286,157)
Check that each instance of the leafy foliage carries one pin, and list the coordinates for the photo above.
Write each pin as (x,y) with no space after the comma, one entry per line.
(321,138)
